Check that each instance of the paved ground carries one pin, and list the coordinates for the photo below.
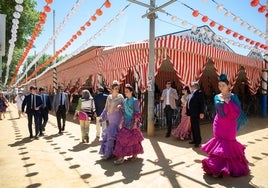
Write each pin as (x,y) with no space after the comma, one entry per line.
(62,161)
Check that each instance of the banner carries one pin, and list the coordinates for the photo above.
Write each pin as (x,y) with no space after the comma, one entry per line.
(2,34)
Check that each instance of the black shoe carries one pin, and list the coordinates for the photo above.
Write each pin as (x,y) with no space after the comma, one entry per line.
(36,137)
(192,142)
(43,129)
(197,145)
(60,133)
(167,135)
(41,134)
(31,136)
(63,128)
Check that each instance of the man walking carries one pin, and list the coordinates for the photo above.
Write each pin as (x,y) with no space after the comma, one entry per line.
(60,106)
(169,97)
(33,102)
(195,109)
(46,107)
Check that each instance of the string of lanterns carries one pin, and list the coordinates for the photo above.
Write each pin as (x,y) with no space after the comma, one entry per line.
(41,22)
(15,26)
(85,44)
(243,23)
(228,31)
(261,9)
(98,12)
(52,39)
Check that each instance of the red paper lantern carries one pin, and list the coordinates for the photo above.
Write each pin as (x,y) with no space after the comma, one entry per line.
(74,37)
(220,28)
(88,23)
(266,15)
(43,15)
(212,23)
(93,18)
(266,47)
(254,3)
(195,13)
(107,4)
(235,34)
(228,31)
(47,8)
(262,46)
(257,44)
(99,12)
(49,1)
(262,9)
(241,37)
(204,18)
(252,42)
(247,40)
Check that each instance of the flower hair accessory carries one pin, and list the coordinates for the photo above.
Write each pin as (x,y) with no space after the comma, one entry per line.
(223,77)
(115,82)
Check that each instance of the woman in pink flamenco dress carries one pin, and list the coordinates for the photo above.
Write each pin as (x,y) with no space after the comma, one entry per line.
(183,131)
(226,156)
(129,138)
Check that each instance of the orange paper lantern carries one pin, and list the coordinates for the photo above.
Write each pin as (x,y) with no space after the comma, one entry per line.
(195,13)
(204,18)
(88,23)
(254,3)
(107,4)
(82,28)
(47,8)
(93,18)
(49,1)
(262,9)
(79,33)
(220,28)
(235,34)
(228,31)
(241,37)
(99,12)
(212,23)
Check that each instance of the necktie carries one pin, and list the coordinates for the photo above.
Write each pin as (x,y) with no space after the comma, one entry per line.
(44,100)
(32,101)
(61,99)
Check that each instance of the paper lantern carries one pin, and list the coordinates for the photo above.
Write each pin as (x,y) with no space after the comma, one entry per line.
(236,19)
(79,33)
(228,31)
(228,13)
(195,13)
(266,15)
(220,28)
(82,28)
(243,23)
(254,3)
(212,23)
(241,37)
(262,46)
(88,23)
(47,8)
(99,12)
(219,7)
(204,18)
(107,4)
(49,1)
(74,37)
(257,44)
(93,18)
(262,9)
(19,8)
(252,42)
(174,18)
(235,34)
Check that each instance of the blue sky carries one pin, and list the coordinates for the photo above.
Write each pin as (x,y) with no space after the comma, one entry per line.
(131,27)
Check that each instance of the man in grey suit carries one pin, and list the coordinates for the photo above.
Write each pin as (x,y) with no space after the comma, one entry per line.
(169,97)
(60,107)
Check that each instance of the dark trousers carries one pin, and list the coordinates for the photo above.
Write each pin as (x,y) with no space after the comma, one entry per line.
(61,114)
(195,126)
(36,115)
(168,113)
(44,117)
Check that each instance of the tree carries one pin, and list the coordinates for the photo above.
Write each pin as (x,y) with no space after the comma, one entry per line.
(27,21)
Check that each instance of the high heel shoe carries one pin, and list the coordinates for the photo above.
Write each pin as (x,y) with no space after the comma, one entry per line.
(87,139)
(119,161)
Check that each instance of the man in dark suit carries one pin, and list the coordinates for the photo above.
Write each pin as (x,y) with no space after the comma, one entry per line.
(46,107)
(100,101)
(60,106)
(33,102)
(195,109)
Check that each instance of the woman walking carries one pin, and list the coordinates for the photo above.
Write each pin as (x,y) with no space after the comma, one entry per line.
(183,131)
(226,154)
(112,115)
(84,111)
(129,138)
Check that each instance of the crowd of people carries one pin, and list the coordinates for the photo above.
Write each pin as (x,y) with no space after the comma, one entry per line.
(119,117)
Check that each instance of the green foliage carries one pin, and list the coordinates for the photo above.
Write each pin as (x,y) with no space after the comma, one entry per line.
(27,22)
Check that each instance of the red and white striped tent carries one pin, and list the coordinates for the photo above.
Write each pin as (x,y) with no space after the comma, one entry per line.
(188,58)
